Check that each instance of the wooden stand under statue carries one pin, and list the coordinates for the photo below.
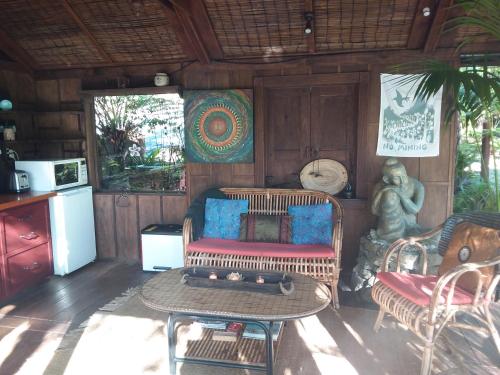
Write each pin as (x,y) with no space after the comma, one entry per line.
(396,200)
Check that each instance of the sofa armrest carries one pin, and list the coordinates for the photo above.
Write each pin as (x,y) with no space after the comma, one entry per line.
(450,278)
(187,235)
(398,246)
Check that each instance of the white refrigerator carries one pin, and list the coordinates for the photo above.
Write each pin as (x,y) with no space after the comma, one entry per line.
(72,228)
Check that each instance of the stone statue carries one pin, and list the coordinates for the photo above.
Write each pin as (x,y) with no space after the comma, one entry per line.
(396,201)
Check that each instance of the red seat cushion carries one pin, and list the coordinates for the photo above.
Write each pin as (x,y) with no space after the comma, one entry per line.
(418,288)
(284,250)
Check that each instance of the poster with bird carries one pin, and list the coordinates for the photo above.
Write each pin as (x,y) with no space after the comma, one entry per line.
(408,126)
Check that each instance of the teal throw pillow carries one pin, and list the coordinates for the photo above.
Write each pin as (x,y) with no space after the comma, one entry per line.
(222,218)
(312,224)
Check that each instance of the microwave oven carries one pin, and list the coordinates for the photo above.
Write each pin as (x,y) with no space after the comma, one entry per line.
(50,175)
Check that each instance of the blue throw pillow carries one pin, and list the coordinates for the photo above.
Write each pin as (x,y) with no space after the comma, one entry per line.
(222,218)
(312,224)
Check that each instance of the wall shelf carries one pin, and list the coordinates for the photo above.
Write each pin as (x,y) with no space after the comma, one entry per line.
(51,140)
(58,112)
(15,112)
(135,91)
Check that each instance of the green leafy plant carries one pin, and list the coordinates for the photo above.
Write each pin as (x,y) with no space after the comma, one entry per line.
(138,137)
(474,92)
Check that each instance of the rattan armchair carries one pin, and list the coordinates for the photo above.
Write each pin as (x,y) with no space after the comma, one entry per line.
(428,315)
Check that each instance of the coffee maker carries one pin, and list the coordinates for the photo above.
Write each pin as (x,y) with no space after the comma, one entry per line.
(7,167)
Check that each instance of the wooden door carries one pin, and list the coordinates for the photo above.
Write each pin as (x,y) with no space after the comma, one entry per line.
(334,123)
(288,133)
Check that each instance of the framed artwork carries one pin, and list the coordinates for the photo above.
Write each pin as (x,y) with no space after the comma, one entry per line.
(408,126)
(218,126)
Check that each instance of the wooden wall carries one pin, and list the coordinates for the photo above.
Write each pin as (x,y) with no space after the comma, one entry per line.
(435,173)
(48,115)
(21,89)
(118,225)
(119,219)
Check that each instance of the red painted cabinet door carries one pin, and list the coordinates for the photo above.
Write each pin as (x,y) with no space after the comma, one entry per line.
(26,227)
(26,252)
(28,267)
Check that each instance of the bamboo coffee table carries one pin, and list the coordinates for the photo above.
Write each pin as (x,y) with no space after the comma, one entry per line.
(165,292)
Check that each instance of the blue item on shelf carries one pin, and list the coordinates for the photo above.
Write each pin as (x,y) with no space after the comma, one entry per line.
(5,105)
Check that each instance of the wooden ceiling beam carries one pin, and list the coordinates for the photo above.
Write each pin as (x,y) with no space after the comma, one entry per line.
(205,29)
(364,57)
(16,53)
(197,29)
(440,16)
(310,38)
(178,29)
(421,24)
(69,9)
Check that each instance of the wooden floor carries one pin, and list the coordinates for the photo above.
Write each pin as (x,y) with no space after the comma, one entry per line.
(34,323)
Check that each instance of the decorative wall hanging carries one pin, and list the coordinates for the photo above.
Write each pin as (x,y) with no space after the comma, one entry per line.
(407,126)
(325,175)
(218,126)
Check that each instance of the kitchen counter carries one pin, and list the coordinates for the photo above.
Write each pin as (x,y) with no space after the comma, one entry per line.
(15,200)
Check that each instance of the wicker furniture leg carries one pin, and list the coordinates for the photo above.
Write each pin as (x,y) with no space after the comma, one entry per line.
(171,344)
(335,294)
(380,317)
(492,328)
(428,350)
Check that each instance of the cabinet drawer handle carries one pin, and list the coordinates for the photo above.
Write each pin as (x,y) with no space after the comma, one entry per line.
(25,218)
(33,266)
(29,236)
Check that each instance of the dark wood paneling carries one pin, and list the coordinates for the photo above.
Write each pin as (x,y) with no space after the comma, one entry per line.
(435,209)
(174,208)
(243,169)
(222,174)
(288,133)
(69,92)
(127,227)
(198,184)
(282,76)
(334,115)
(437,168)
(260,136)
(149,210)
(47,93)
(357,222)
(119,220)
(104,213)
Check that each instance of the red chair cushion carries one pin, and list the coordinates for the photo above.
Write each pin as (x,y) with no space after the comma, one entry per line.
(220,246)
(418,288)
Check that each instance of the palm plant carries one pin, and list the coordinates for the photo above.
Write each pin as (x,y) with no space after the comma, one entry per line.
(475,90)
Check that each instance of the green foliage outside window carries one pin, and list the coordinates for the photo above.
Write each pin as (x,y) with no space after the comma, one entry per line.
(140,142)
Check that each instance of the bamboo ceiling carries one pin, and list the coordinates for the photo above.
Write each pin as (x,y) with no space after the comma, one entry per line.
(53,34)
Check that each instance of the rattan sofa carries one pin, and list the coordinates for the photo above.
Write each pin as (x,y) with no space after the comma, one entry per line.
(325,268)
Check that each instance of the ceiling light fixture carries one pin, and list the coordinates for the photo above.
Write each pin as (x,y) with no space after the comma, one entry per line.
(309,17)
(426,11)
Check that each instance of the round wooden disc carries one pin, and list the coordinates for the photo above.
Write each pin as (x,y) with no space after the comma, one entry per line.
(325,175)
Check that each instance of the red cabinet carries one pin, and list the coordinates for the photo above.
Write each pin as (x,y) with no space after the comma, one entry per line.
(26,252)
(25,227)
(28,267)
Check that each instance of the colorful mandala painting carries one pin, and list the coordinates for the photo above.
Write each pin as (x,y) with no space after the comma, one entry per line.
(218,126)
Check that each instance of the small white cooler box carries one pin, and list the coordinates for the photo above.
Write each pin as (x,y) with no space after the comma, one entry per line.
(162,247)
